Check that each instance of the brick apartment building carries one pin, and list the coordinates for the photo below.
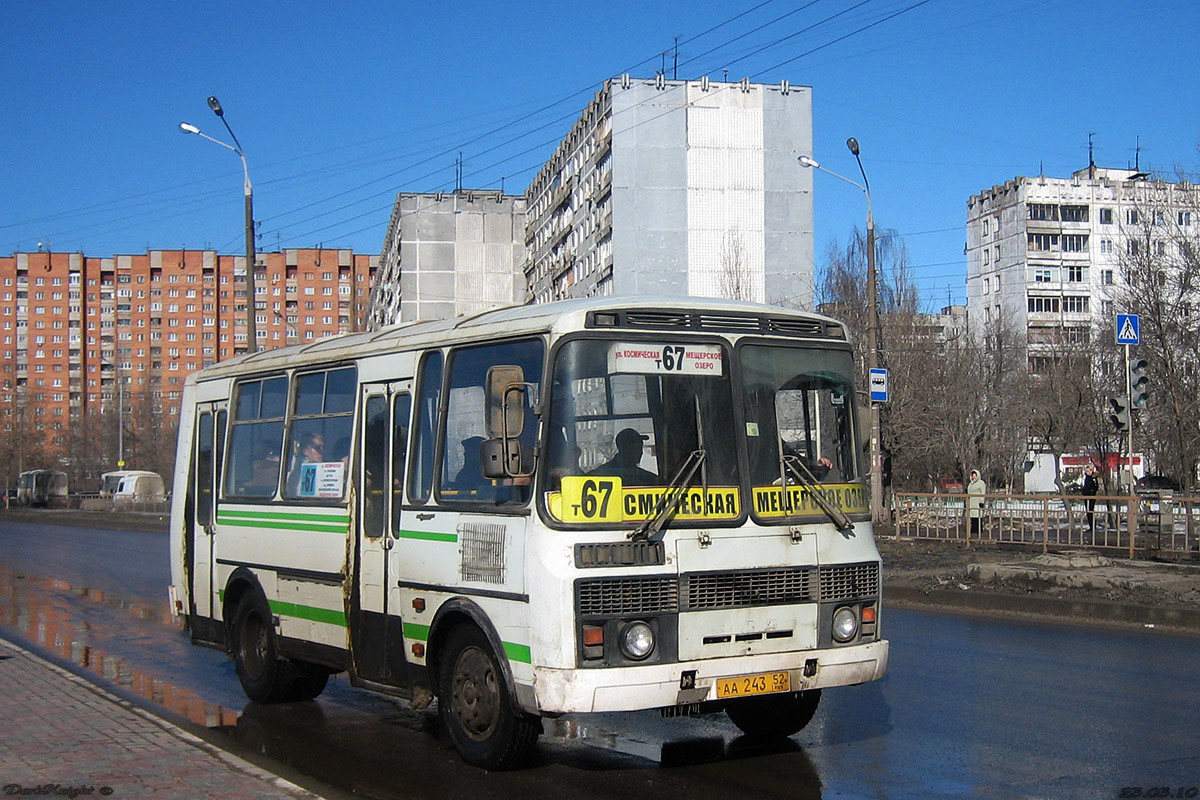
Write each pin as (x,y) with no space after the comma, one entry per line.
(73,328)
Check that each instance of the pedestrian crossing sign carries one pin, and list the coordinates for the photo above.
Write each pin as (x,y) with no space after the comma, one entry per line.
(1128,329)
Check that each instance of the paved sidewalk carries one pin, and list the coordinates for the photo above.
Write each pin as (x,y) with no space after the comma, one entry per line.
(63,736)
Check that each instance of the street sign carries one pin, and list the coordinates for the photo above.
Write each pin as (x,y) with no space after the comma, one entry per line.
(879,385)
(1129,329)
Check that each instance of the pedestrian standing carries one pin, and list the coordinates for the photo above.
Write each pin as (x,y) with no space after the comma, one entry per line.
(1091,487)
(976,489)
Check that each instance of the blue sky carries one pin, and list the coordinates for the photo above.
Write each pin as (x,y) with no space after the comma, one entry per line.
(341,105)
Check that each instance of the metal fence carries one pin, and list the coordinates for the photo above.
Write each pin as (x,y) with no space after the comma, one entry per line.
(1157,525)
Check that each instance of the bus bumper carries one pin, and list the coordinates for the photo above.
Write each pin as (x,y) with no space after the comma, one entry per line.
(565,691)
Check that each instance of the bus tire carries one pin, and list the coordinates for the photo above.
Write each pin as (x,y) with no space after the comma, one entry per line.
(774,716)
(475,707)
(265,676)
(308,680)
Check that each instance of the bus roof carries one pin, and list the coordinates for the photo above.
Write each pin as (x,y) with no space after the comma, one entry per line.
(660,314)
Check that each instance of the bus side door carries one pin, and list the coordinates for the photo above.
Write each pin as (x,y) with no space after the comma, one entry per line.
(377,634)
(206,454)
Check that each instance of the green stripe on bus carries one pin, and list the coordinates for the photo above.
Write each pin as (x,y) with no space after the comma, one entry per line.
(517,652)
(428,535)
(289,526)
(308,612)
(284,515)
(514,652)
(414,631)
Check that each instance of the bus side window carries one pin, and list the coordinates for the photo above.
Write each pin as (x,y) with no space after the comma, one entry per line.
(420,479)
(203,471)
(375,466)
(256,438)
(401,410)
(462,472)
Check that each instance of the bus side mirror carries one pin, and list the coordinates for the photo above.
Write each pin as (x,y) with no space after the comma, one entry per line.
(504,404)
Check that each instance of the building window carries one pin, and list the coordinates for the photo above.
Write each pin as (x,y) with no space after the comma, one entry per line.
(1044,275)
(1043,305)
(1131,216)
(1074,273)
(1042,241)
(1074,213)
(1075,304)
(1107,277)
(1074,242)
(1043,211)
(1185,219)
(1106,246)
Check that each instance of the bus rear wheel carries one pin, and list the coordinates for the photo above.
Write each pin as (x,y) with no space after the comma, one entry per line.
(265,676)
(774,716)
(475,707)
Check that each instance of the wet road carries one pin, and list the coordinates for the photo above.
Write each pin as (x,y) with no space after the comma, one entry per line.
(971,707)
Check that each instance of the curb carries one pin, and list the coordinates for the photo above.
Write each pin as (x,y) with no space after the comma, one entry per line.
(1083,612)
(228,758)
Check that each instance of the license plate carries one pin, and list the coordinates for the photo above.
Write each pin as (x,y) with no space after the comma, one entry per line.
(749,685)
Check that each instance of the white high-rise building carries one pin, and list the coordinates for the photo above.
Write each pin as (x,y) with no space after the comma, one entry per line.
(678,187)
(1044,255)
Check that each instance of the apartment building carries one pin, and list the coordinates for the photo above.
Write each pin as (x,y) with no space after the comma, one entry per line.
(446,254)
(81,334)
(677,187)
(1045,255)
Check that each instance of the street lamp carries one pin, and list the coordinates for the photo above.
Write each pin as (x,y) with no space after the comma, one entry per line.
(248,190)
(872,323)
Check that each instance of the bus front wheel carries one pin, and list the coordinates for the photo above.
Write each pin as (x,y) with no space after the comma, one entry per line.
(475,707)
(774,716)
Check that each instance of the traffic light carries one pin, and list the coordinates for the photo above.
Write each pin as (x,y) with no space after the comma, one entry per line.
(1118,413)
(1138,383)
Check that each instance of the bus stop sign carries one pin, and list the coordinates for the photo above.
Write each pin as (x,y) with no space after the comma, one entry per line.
(879,385)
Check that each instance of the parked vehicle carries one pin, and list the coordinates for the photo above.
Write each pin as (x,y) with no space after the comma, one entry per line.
(1157,483)
(132,486)
(41,487)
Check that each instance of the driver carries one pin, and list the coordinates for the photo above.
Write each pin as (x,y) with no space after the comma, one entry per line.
(624,464)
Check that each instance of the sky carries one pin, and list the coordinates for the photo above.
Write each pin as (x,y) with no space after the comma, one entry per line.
(340,105)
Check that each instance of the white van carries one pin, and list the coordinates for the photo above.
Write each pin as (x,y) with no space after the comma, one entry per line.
(132,486)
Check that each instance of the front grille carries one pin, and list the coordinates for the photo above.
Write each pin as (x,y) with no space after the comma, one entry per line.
(795,327)
(634,595)
(707,590)
(849,581)
(657,319)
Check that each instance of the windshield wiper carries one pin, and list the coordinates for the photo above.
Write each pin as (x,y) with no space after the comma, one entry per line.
(670,500)
(804,476)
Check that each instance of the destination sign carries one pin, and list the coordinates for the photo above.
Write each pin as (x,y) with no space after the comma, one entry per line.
(594,499)
(676,359)
(770,501)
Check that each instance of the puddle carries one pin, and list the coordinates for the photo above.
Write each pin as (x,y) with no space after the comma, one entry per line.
(28,605)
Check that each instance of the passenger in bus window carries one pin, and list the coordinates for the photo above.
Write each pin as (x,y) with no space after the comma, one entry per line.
(624,465)
(469,481)
(265,467)
(311,451)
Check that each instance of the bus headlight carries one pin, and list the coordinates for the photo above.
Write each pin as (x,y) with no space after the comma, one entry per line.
(845,624)
(637,641)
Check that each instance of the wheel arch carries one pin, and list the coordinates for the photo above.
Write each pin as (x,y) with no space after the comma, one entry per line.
(462,611)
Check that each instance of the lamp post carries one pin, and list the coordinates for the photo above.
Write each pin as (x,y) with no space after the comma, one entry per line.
(248,191)
(877,511)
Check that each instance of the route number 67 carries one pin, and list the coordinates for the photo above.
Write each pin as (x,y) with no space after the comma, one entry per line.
(594,498)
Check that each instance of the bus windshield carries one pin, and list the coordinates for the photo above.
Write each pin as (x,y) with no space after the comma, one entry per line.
(625,419)
(799,407)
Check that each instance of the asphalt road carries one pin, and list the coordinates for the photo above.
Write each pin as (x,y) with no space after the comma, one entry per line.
(970,707)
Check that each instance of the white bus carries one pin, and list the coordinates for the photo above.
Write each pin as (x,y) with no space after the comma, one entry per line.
(590,506)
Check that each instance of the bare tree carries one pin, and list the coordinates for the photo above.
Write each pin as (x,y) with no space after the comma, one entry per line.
(736,282)
(1160,267)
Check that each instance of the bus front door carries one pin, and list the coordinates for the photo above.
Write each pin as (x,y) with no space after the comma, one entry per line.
(201,529)
(377,636)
